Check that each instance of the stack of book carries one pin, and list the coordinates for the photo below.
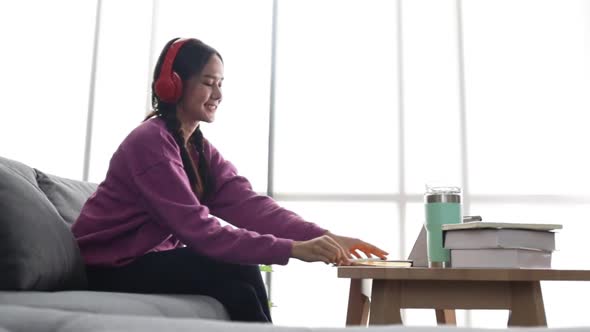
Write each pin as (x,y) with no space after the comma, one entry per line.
(500,245)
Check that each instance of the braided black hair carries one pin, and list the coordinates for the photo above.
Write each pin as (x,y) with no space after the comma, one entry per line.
(190,61)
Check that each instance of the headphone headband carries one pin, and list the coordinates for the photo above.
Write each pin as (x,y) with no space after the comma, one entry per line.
(168,86)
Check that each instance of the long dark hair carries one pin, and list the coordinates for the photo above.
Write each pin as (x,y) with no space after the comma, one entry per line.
(189,62)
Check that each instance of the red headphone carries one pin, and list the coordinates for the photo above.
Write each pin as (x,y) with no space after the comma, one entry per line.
(168,86)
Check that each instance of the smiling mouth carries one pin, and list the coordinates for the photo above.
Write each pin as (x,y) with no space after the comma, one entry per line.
(211,107)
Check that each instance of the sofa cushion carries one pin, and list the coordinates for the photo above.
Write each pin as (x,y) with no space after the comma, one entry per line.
(37,249)
(189,306)
(46,320)
(68,196)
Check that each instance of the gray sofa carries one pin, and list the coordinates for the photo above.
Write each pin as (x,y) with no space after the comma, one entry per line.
(15,319)
(40,263)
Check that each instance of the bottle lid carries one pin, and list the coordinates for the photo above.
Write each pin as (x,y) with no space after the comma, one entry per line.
(442,194)
(443,190)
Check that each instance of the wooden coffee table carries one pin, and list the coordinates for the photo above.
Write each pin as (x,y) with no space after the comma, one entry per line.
(446,289)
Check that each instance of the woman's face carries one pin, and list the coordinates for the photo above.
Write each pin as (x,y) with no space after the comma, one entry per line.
(202,93)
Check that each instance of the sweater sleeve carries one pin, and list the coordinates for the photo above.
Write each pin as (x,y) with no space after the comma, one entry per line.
(236,202)
(165,191)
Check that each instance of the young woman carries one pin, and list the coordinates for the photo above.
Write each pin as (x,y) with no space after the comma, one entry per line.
(149,227)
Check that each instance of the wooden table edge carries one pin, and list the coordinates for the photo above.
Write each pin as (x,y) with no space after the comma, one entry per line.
(479,274)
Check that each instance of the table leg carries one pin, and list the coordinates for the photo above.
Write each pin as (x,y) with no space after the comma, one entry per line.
(366,310)
(355,303)
(526,304)
(446,317)
(385,302)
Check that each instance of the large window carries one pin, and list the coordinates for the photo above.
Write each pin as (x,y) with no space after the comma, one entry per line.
(121,79)
(527,109)
(46,66)
(336,104)
(431,107)
(336,120)
(527,96)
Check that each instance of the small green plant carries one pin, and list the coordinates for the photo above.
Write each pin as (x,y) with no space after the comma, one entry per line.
(266,268)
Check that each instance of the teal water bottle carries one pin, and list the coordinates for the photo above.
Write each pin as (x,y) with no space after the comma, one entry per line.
(442,206)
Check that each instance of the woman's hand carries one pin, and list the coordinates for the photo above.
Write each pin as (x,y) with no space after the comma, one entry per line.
(321,249)
(351,245)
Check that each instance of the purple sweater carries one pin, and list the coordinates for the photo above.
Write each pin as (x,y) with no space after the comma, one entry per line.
(146,204)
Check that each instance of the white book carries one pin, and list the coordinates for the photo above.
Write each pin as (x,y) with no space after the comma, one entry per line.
(500,258)
(380,262)
(484,238)
(496,225)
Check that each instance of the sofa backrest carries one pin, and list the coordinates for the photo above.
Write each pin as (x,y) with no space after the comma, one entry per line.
(37,248)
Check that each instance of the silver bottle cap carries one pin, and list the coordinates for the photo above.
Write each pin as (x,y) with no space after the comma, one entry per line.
(442,195)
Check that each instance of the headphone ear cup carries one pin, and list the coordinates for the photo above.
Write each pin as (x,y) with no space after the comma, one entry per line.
(177,86)
(168,85)
(169,89)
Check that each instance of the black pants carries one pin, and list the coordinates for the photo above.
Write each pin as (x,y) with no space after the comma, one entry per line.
(181,271)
